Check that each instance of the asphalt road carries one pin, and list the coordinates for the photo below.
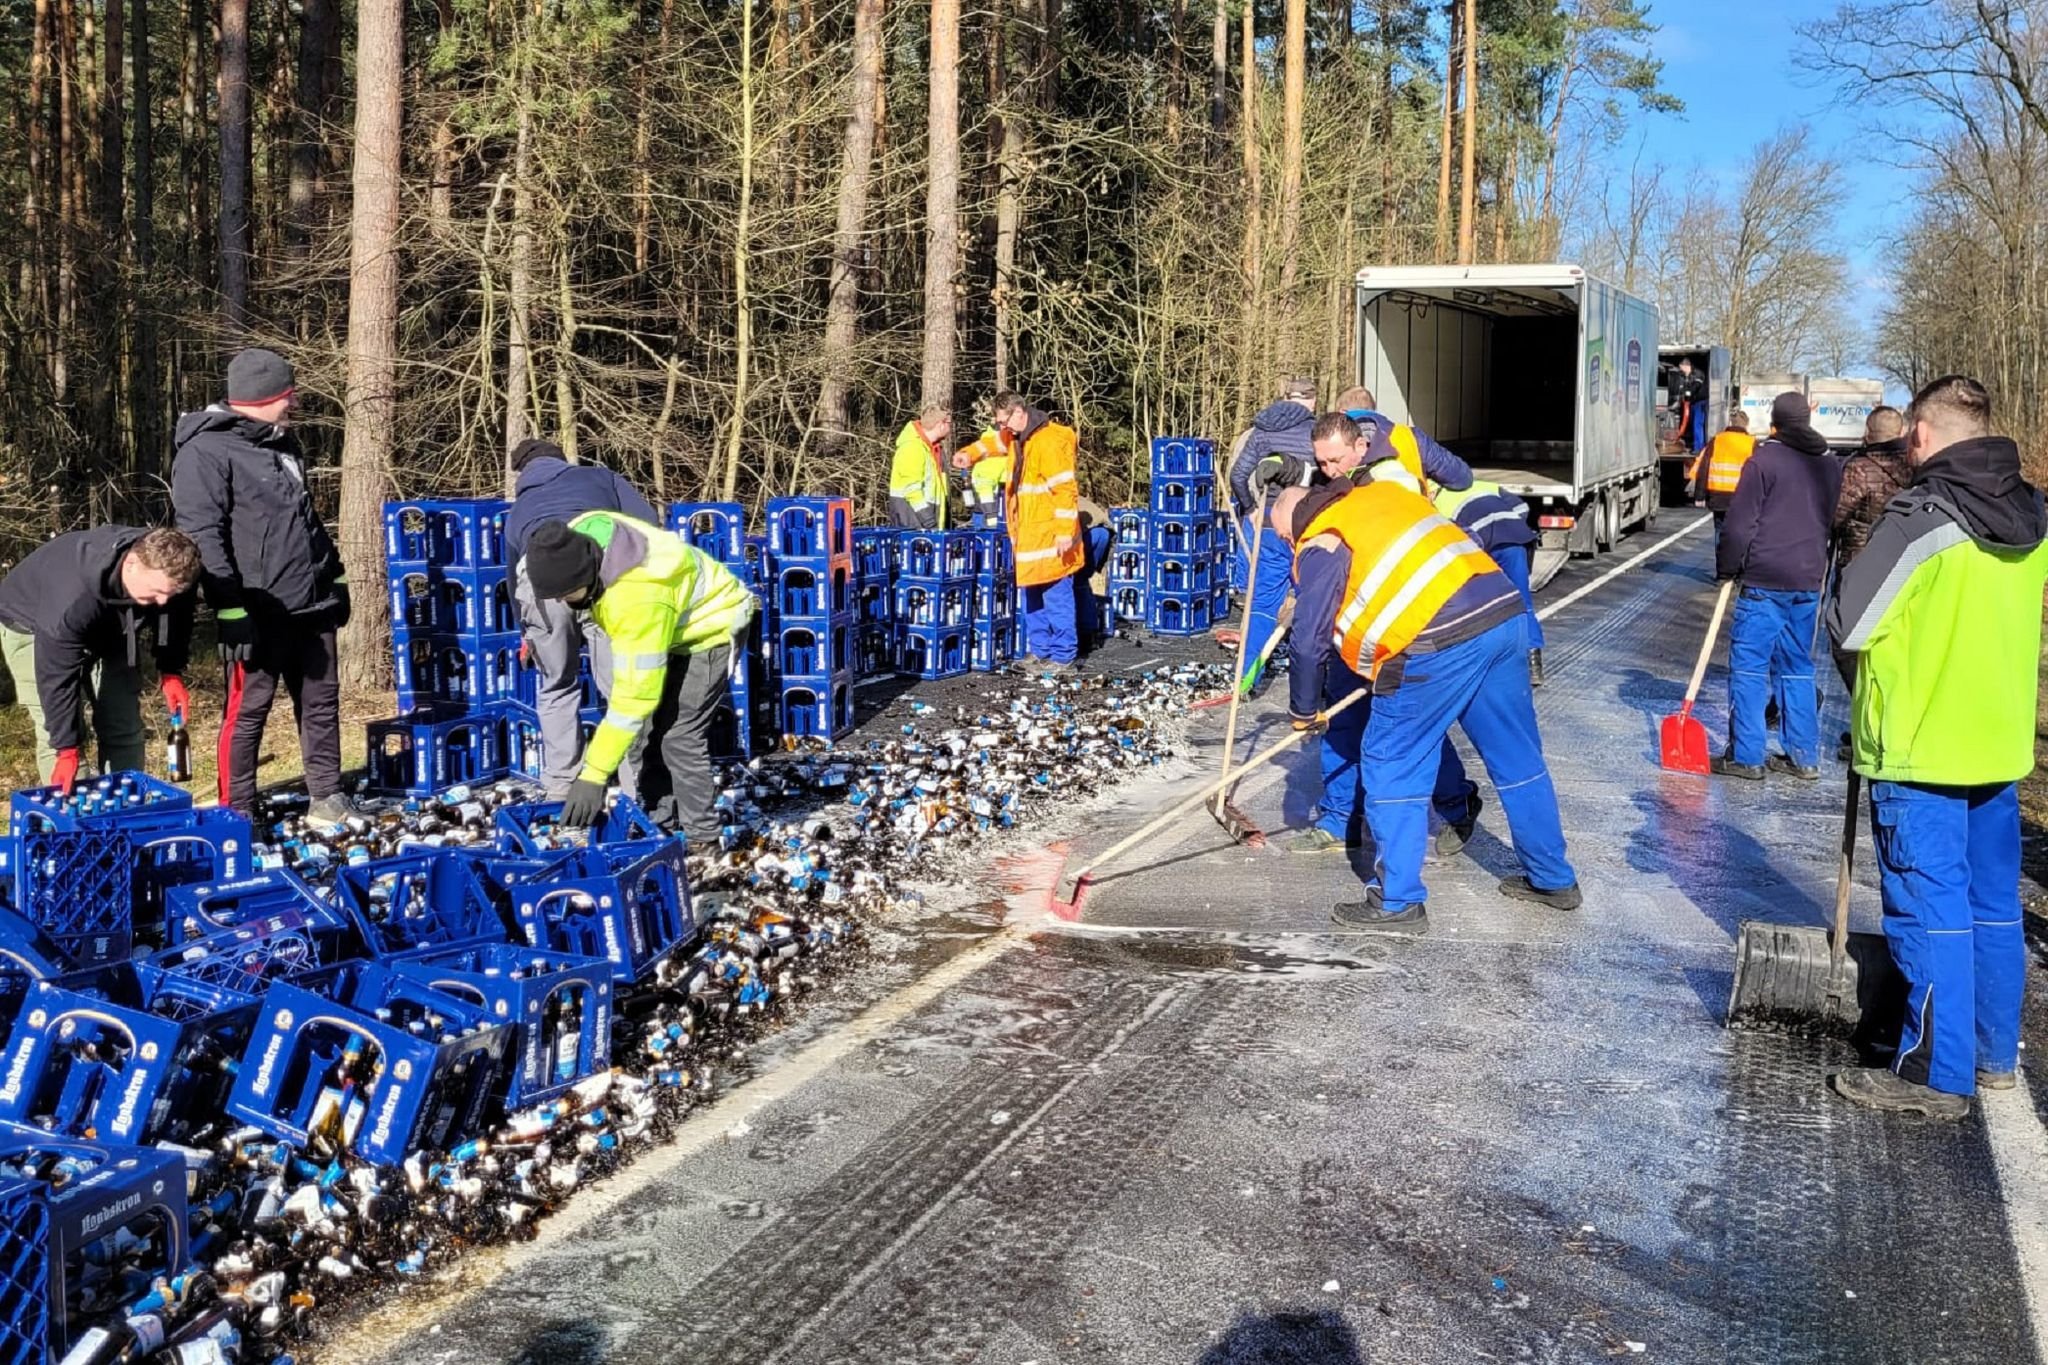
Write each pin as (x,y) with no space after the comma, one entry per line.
(1200,1127)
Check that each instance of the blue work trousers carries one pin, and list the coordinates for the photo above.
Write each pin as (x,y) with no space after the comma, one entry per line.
(1341,810)
(1087,606)
(1949,864)
(1770,655)
(1269,594)
(1514,562)
(1483,685)
(1049,631)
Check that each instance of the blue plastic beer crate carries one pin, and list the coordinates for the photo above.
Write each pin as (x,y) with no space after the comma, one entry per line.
(24,1272)
(519,738)
(1183,497)
(814,645)
(1128,564)
(1130,527)
(460,533)
(935,651)
(131,1053)
(434,898)
(1183,536)
(816,705)
(204,908)
(925,602)
(874,649)
(559,1004)
(819,527)
(1131,602)
(1176,576)
(131,801)
(278,945)
(809,590)
(535,830)
(1183,457)
(994,595)
(628,903)
(997,641)
(876,553)
(719,529)
(314,1061)
(430,750)
(1178,614)
(115,1206)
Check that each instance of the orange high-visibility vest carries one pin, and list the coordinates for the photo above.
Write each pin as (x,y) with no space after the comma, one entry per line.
(1407,560)
(1726,456)
(1045,504)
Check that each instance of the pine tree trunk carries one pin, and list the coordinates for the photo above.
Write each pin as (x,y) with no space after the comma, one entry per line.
(68,207)
(1445,143)
(942,206)
(145,403)
(1219,76)
(519,341)
(234,162)
(842,308)
(1294,87)
(1010,169)
(742,298)
(372,396)
(1176,74)
(1254,228)
(1468,154)
(35,280)
(319,83)
(113,113)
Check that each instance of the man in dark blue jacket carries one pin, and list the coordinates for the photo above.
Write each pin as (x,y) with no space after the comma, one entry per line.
(549,488)
(1775,544)
(1275,454)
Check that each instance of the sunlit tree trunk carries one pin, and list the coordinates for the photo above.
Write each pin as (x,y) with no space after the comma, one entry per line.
(842,308)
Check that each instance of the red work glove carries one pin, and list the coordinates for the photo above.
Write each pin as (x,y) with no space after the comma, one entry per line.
(525,652)
(65,775)
(176,699)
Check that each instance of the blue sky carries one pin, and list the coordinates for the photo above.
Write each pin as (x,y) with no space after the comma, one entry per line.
(1738,65)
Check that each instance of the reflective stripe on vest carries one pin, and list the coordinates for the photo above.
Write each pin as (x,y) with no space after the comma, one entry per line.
(1730,452)
(1407,560)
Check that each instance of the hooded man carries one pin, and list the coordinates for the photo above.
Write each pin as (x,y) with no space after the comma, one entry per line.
(72,615)
(275,581)
(549,488)
(1775,544)
(673,615)
(1943,611)
(1044,517)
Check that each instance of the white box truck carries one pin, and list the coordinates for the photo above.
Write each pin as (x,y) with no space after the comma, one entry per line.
(1841,407)
(1540,376)
(1759,391)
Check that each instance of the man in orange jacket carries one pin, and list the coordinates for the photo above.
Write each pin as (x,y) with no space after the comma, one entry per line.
(1044,514)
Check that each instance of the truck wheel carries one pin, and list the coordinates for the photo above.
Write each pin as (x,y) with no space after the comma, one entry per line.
(1603,521)
(1650,512)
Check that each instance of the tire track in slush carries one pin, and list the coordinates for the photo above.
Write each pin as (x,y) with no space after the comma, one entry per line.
(834,1238)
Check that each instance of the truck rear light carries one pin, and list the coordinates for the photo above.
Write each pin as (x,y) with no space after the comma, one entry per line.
(1556,523)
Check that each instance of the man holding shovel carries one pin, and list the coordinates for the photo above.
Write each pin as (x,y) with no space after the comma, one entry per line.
(1942,610)
(1412,608)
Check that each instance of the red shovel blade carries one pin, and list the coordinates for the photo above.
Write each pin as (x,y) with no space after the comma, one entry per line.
(1684,744)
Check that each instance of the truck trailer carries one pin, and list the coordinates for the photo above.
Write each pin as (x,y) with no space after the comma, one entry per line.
(1541,377)
(1713,364)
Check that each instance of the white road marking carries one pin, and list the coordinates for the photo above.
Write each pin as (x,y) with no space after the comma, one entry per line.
(397,1323)
(2019,1153)
(1576,593)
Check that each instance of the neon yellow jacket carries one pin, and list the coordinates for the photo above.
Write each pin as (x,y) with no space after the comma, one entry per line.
(661,596)
(992,456)
(917,481)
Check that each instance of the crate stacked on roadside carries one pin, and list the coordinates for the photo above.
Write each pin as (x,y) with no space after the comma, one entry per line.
(1187,546)
(997,625)
(877,553)
(719,529)
(810,591)
(465,697)
(935,601)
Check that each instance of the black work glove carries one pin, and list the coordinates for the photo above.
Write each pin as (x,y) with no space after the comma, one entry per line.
(343,606)
(584,805)
(235,634)
(1276,472)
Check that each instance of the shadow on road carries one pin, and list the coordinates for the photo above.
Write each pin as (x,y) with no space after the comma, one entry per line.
(565,1341)
(1286,1338)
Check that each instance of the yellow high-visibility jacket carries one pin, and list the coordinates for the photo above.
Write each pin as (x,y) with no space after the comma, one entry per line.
(917,481)
(662,596)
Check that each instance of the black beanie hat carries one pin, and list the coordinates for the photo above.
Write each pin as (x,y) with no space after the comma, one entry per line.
(531,449)
(1789,409)
(258,376)
(559,560)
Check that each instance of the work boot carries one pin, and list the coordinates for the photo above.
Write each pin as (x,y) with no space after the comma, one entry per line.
(1521,889)
(1998,1080)
(331,810)
(1316,839)
(1783,763)
(1452,838)
(1535,668)
(1372,916)
(1723,766)
(1877,1087)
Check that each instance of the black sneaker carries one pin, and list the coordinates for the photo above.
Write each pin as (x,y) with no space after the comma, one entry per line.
(1783,763)
(1877,1087)
(1521,889)
(1998,1080)
(1452,838)
(1723,766)
(1371,916)
(332,811)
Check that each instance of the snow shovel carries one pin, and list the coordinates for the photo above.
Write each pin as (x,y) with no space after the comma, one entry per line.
(1068,892)
(1684,740)
(1792,978)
